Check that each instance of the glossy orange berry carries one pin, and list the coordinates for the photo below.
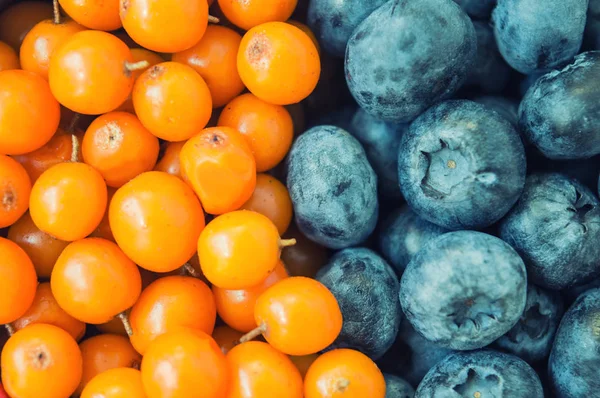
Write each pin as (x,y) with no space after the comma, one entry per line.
(94,281)
(29,114)
(268,128)
(272,199)
(219,165)
(249,13)
(172,101)
(259,370)
(18,283)
(297,316)
(45,309)
(239,249)
(303,362)
(164,26)
(236,307)
(115,383)
(15,188)
(41,361)
(43,249)
(97,15)
(103,229)
(156,219)
(226,337)
(306,30)
(182,301)
(140,56)
(103,352)
(19,18)
(115,325)
(344,373)
(278,63)
(169,163)
(214,57)
(91,72)
(68,200)
(9,58)
(306,257)
(185,364)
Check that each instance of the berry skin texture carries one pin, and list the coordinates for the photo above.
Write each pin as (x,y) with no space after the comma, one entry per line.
(278,63)
(8,57)
(15,188)
(271,198)
(116,383)
(250,13)
(29,114)
(169,162)
(97,15)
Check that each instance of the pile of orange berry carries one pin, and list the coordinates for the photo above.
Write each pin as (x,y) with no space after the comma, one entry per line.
(138,211)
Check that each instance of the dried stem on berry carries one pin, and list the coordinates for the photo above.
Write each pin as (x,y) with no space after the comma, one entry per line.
(287,242)
(9,329)
(123,317)
(191,271)
(73,124)
(56,9)
(74,148)
(212,19)
(254,333)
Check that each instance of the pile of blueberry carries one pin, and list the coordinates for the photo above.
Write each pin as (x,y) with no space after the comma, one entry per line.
(458,183)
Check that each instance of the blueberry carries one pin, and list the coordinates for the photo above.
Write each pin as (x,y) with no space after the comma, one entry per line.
(535,35)
(531,338)
(481,374)
(529,81)
(575,357)
(333,21)
(572,293)
(464,290)
(402,236)
(461,165)
(397,387)
(333,187)
(408,55)
(366,289)
(592,27)
(477,9)
(506,107)
(555,227)
(560,114)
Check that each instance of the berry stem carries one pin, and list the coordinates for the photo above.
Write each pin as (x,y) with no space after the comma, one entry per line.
(133,66)
(74,148)
(254,333)
(9,329)
(56,12)
(191,271)
(123,317)
(287,242)
(73,123)
(212,19)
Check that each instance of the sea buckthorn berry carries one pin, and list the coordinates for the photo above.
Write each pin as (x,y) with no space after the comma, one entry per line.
(115,383)
(10,60)
(119,147)
(103,352)
(226,337)
(271,198)
(214,57)
(45,309)
(236,307)
(278,63)
(169,163)
(172,101)
(15,188)
(156,219)
(41,361)
(268,128)
(239,249)
(164,26)
(97,15)
(344,373)
(259,370)
(29,114)
(68,200)
(94,281)
(219,165)
(308,32)
(182,301)
(103,229)
(297,316)
(18,283)
(115,325)
(140,56)
(19,18)
(249,13)
(190,361)
(91,72)
(306,257)
(303,362)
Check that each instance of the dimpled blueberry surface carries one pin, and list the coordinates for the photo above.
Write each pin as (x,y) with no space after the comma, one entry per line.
(333,187)
(397,387)
(555,227)
(575,358)
(407,55)
(535,35)
(464,290)
(477,9)
(481,374)
(461,165)
(333,21)
(531,338)
(560,114)
(366,289)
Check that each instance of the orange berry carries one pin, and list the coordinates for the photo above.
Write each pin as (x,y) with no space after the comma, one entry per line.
(226,337)
(236,307)
(271,198)
(103,352)
(278,63)
(259,370)
(185,364)
(94,281)
(29,114)
(139,55)
(115,383)
(156,219)
(15,188)
(214,57)
(172,101)
(306,30)
(219,165)
(18,283)
(306,257)
(303,362)
(169,163)
(41,361)
(182,301)
(114,326)
(344,373)
(19,18)
(249,13)
(68,200)
(103,229)
(46,310)
(10,60)
(97,15)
